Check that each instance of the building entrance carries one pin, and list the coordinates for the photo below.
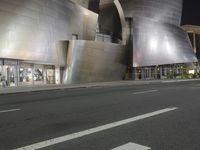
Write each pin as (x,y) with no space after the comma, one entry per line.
(50,74)
(147,73)
(38,74)
(8,73)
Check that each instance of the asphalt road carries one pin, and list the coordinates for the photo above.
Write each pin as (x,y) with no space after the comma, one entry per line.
(29,118)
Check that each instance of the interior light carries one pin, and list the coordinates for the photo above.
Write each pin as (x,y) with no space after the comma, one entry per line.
(191,71)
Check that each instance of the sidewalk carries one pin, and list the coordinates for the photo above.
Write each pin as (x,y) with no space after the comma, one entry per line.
(22,89)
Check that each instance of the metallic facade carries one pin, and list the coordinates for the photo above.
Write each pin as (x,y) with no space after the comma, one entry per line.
(157,38)
(38,32)
(63,42)
(90,61)
(165,11)
(30,29)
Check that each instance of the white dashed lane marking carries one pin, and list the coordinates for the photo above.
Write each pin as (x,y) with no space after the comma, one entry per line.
(143,92)
(9,110)
(68,137)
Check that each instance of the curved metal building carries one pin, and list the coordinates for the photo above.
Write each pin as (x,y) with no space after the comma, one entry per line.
(36,38)
(157,38)
(29,29)
(61,41)
(165,11)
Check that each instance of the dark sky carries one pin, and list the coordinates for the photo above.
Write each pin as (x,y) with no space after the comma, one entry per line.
(191,12)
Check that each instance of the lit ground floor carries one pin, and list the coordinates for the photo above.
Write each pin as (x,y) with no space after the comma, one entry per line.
(171,71)
(21,73)
(25,73)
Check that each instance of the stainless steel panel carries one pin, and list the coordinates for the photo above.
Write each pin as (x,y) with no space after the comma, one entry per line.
(157,38)
(167,11)
(30,29)
(158,44)
(83,3)
(89,61)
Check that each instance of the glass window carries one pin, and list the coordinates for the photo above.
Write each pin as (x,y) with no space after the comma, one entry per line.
(50,74)
(25,73)
(8,72)
(11,75)
(38,74)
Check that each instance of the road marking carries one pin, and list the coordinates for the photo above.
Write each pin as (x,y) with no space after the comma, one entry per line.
(142,92)
(132,146)
(93,130)
(10,110)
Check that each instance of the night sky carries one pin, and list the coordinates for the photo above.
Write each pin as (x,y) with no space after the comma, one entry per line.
(191,12)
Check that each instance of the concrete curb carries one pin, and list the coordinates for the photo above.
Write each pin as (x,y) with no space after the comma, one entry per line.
(12,90)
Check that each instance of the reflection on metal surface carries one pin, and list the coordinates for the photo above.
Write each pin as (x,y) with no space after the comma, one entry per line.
(158,43)
(157,37)
(89,61)
(36,34)
(30,29)
(166,11)
(83,3)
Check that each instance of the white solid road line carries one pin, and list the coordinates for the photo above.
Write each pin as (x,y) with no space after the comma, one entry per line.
(132,146)
(10,110)
(142,92)
(93,130)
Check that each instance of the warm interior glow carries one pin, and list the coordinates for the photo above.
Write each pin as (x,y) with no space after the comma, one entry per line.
(191,71)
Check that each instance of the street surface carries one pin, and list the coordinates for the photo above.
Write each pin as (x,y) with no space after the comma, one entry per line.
(137,117)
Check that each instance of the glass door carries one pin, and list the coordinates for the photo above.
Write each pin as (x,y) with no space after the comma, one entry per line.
(11,75)
(49,74)
(38,74)
(26,74)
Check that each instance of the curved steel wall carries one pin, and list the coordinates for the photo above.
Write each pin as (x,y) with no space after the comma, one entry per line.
(168,11)
(29,29)
(157,37)
(84,3)
(158,44)
(90,61)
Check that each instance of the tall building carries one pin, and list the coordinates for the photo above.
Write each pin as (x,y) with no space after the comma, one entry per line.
(61,41)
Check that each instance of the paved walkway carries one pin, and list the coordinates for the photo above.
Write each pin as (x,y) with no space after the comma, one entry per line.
(21,89)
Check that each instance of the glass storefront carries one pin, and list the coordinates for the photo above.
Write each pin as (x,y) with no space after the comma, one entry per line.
(16,73)
(50,74)
(38,74)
